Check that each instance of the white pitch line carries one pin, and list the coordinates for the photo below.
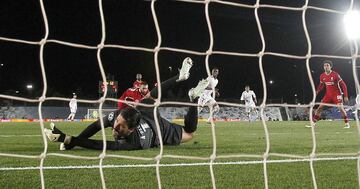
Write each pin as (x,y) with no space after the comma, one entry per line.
(178,164)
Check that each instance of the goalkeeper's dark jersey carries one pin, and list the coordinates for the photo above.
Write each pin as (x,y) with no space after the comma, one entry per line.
(145,135)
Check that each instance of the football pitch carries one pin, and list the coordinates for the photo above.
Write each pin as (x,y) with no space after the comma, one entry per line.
(232,138)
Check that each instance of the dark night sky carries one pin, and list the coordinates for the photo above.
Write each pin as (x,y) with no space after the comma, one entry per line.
(182,25)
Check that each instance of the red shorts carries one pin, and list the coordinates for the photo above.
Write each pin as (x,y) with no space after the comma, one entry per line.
(332,99)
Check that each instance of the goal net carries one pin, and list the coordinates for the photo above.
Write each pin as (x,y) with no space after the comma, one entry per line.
(259,159)
(94,113)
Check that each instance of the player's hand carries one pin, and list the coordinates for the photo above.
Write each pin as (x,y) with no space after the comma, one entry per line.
(346,99)
(217,94)
(115,133)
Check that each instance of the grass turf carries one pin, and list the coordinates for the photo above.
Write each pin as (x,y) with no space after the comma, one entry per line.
(231,138)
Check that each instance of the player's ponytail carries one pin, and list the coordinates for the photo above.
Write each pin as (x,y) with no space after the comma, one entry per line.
(131,116)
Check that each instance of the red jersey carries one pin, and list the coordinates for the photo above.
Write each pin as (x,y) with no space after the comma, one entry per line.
(137,84)
(334,84)
(132,95)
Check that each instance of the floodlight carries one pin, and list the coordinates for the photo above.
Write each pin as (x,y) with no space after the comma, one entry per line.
(352,24)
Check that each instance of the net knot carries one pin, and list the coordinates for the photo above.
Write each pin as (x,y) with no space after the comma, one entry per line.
(158,157)
(304,7)
(208,52)
(42,155)
(213,157)
(156,49)
(102,156)
(207,1)
(100,46)
(312,156)
(262,106)
(266,156)
(42,99)
(261,53)
(157,103)
(42,42)
(308,56)
(102,100)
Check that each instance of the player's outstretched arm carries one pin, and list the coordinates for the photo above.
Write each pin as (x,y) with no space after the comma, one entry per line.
(56,135)
(98,144)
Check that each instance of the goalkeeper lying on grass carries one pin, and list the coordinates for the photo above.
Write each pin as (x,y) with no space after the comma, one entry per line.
(134,128)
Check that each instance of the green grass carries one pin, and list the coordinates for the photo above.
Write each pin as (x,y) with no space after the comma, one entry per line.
(232,138)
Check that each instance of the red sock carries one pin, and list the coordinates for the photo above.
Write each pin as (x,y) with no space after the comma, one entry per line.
(316,118)
(346,120)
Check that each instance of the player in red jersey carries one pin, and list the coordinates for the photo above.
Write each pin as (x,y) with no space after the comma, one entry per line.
(138,81)
(335,91)
(133,95)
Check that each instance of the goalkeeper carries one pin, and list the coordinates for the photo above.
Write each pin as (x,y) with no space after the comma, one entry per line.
(135,128)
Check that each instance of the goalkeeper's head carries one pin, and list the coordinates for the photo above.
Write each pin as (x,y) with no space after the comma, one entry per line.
(126,122)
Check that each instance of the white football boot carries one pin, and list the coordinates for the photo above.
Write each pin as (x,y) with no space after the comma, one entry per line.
(185,69)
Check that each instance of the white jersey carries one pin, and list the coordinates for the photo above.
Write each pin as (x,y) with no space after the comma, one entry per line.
(73,105)
(212,84)
(206,98)
(248,97)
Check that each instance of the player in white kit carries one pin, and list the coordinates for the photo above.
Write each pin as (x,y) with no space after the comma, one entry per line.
(73,108)
(250,102)
(207,99)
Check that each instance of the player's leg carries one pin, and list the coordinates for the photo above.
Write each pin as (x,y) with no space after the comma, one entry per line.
(318,111)
(247,110)
(184,74)
(254,112)
(190,124)
(72,116)
(204,101)
(213,107)
(316,116)
(191,118)
(200,103)
(343,115)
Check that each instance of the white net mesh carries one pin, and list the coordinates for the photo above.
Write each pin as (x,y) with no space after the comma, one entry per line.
(313,156)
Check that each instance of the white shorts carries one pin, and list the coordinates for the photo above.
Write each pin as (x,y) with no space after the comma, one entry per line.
(249,106)
(73,110)
(206,100)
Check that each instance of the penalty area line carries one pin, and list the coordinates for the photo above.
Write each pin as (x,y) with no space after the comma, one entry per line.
(177,164)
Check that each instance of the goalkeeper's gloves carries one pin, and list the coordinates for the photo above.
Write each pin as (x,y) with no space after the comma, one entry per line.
(54,134)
